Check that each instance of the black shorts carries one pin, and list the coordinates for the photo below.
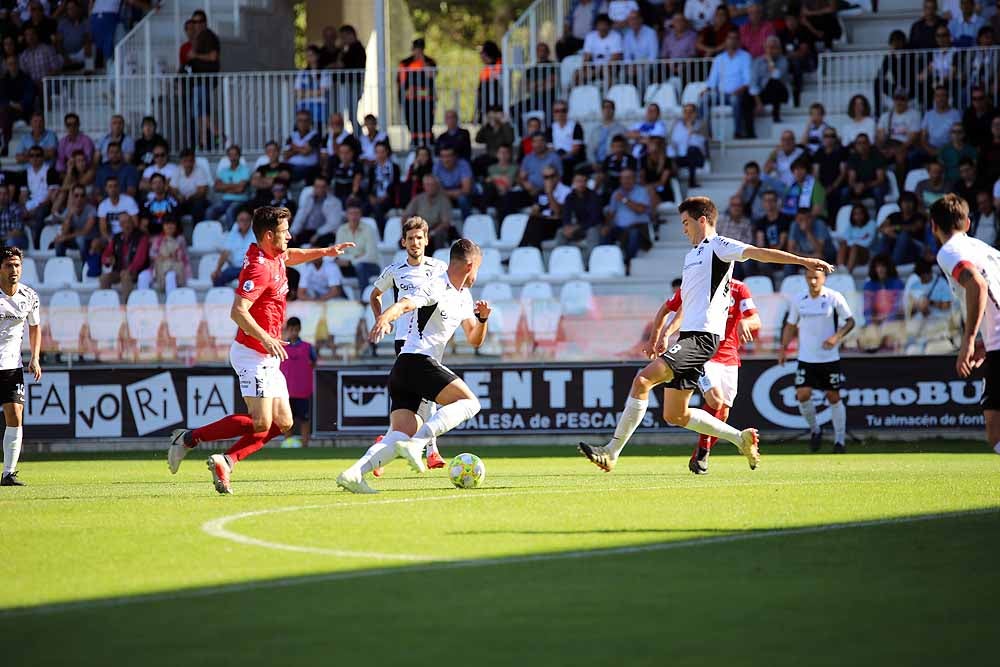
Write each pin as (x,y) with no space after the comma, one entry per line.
(415,377)
(400,342)
(991,381)
(12,386)
(301,408)
(826,376)
(687,358)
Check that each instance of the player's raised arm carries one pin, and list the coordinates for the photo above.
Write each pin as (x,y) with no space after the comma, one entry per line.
(302,255)
(769,256)
(475,327)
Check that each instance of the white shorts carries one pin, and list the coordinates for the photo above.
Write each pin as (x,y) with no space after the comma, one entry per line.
(260,374)
(722,377)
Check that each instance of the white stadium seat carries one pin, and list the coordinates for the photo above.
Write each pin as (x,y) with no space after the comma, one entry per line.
(913,178)
(310,313)
(491,268)
(306,192)
(606,261)
(443,254)
(543,317)
(567,68)
(885,212)
(206,265)
(218,303)
(60,272)
(495,291)
(29,272)
(49,234)
(626,99)
(185,315)
(772,309)
(393,233)
(565,263)
(504,321)
(536,290)
(841,282)
(893,194)
(144,316)
(692,92)
(104,317)
(759,285)
(794,286)
(207,236)
(66,318)
(511,230)
(525,264)
(843,221)
(371,223)
(342,318)
(576,297)
(584,103)
(665,96)
(480,229)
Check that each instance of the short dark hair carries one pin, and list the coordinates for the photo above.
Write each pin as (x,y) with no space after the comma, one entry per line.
(8,251)
(294,322)
(463,250)
(200,14)
(804,210)
(70,115)
(112,144)
(752,164)
(159,176)
(949,213)
(602,17)
(618,138)
(148,119)
(802,162)
(187,152)
(867,109)
(353,202)
(966,161)
(267,218)
(415,222)
(817,105)
(884,260)
(697,207)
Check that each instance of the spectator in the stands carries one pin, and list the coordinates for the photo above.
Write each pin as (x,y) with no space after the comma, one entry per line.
(279,196)
(38,136)
(169,263)
(12,216)
(540,86)
(78,225)
(822,15)
(125,257)
(38,60)
(581,216)
(804,192)
(985,221)
(810,237)
(149,139)
(312,87)
(184,52)
(900,234)
(545,216)
(158,206)
(383,185)
(423,165)
(302,148)
(599,141)
(189,185)
(968,185)
(500,177)
(956,150)
(883,306)
(80,172)
(753,187)
(729,82)
(756,30)
(618,11)
(771,229)
(534,126)
(454,137)
(117,167)
(530,175)
(204,59)
(38,20)
(370,137)
(607,178)
(270,168)
(43,187)
(628,217)
(812,135)
(984,64)
(989,154)
(859,110)
(923,29)
(943,67)
(937,123)
(779,162)
(580,20)
(656,170)
(234,249)
(352,57)
(117,135)
(639,42)
(490,75)
(345,173)
(898,131)
(161,165)
(337,134)
(770,78)
(965,27)
(679,40)
(859,237)
(329,50)
(565,136)
(361,260)
(688,143)
(73,140)
(866,172)
(898,72)
(232,181)
(114,208)
(711,39)
(601,47)
(73,39)
(831,169)
(928,301)
(933,187)
(734,223)
(701,12)
(651,126)
(455,176)
(799,44)
(433,206)
(319,216)
(492,134)
(17,97)
(104,18)
(320,280)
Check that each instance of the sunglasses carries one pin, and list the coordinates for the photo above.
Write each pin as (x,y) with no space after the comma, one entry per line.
(560,110)
(547,176)
(829,136)
(159,155)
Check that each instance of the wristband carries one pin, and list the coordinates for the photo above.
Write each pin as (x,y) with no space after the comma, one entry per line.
(482,320)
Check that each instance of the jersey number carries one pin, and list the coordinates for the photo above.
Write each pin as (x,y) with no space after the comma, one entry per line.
(675,348)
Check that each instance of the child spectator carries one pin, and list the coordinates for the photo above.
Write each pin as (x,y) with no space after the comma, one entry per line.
(855,246)
(169,267)
(298,371)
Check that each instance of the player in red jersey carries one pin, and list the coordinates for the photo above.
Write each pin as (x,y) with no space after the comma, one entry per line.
(257,353)
(718,384)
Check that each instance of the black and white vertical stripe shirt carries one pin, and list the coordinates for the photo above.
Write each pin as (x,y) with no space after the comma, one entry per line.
(708,267)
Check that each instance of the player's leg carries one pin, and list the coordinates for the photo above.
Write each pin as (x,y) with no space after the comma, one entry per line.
(426,411)
(804,382)
(605,457)
(677,411)
(403,423)
(715,406)
(377,472)
(458,404)
(993,428)
(12,413)
(838,416)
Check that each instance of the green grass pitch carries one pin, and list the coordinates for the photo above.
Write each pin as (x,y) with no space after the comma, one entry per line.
(886,556)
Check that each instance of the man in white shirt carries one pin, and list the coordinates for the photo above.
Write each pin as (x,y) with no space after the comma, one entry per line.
(319,215)
(821,319)
(729,82)
(898,129)
(320,280)
(43,186)
(161,165)
(113,207)
(189,186)
(361,260)
(566,139)
(302,148)
(601,47)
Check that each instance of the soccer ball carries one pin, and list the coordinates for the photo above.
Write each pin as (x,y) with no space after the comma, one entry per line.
(467,471)
(291,442)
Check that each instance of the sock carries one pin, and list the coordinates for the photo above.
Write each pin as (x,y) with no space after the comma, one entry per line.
(718,415)
(250,443)
(11,448)
(628,422)
(839,419)
(425,412)
(448,417)
(996,448)
(808,411)
(702,422)
(230,426)
(702,446)
(380,453)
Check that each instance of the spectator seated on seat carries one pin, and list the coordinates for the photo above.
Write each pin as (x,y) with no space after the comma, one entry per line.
(770,231)
(754,187)
(17,95)
(189,186)
(770,78)
(923,29)
(125,257)
(639,42)
(454,174)
(810,237)
(546,213)
(937,123)
(530,175)
(713,31)
(454,137)
(345,173)
(581,216)
(627,219)
(383,185)
(566,139)
(149,139)
(643,131)
(656,171)
(601,46)
(38,136)
(799,44)
(933,187)
(371,136)
(234,249)
(830,169)
(901,235)
(804,192)
(336,135)
(117,166)
(114,208)
(269,167)
(362,260)
(855,247)
(898,133)
(302,148)
(12,216)
(492,134)
(965,26)
(78,225)
(756,31)
(779,162)
(883,298)
(116,135)
(859,110)
(678,39)
(928,302)
(866,173)
(599,139)
(688,143)
(580,21)
(735,224)
(812,135)
(158,206)
(161,165)
(38,60)
(169,265)
(969,184)
(72,141)
(232,181)
(433,206)
(320,280)
(985,221)
(43,188)
(608,176)
(318,218)
(501,177)
(954,152)
(978,116)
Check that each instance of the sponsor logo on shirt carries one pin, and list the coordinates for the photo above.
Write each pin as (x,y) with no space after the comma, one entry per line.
(248,286)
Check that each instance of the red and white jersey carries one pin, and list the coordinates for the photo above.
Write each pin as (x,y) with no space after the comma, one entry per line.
(740,305)
(264,282)
(964,252)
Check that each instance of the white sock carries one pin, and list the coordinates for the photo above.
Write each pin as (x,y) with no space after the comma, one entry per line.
(448,417)
(996,448)
(628,422)
(706,424)
(427,410)
(11,448)
(380,453)
(808,411)
(839,419)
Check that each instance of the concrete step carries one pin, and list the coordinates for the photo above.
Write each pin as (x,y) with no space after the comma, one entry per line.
(874,29)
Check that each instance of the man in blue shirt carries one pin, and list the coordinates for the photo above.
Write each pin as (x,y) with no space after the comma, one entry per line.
(232,180)
(729,82)
(39,136)
(627,219)
(117,167)
(455,176)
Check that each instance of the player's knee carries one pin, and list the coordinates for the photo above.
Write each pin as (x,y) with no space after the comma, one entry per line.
(803,394)
(833,397)
(284,423)
(677,417)
(261,424)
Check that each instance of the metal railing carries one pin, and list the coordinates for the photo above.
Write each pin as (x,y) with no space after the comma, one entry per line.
(541,22)
(876,75)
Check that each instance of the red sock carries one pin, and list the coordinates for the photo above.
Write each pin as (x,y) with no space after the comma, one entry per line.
(229,426)
(709,440)
(703,443)
(250,443)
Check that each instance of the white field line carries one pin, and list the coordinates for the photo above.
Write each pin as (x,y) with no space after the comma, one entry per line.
(112,602)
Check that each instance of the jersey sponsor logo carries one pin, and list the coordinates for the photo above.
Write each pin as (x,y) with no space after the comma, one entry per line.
(248,286)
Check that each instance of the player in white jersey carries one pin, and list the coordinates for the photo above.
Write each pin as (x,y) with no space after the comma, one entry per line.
(18,304)
(708,268)
(821,319)
(417,375)
(407,277)
(975,268)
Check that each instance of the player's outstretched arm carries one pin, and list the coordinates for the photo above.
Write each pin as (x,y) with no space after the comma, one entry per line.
(475,327)
(969,357)
(383,324)
(769,256)
(303,255)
